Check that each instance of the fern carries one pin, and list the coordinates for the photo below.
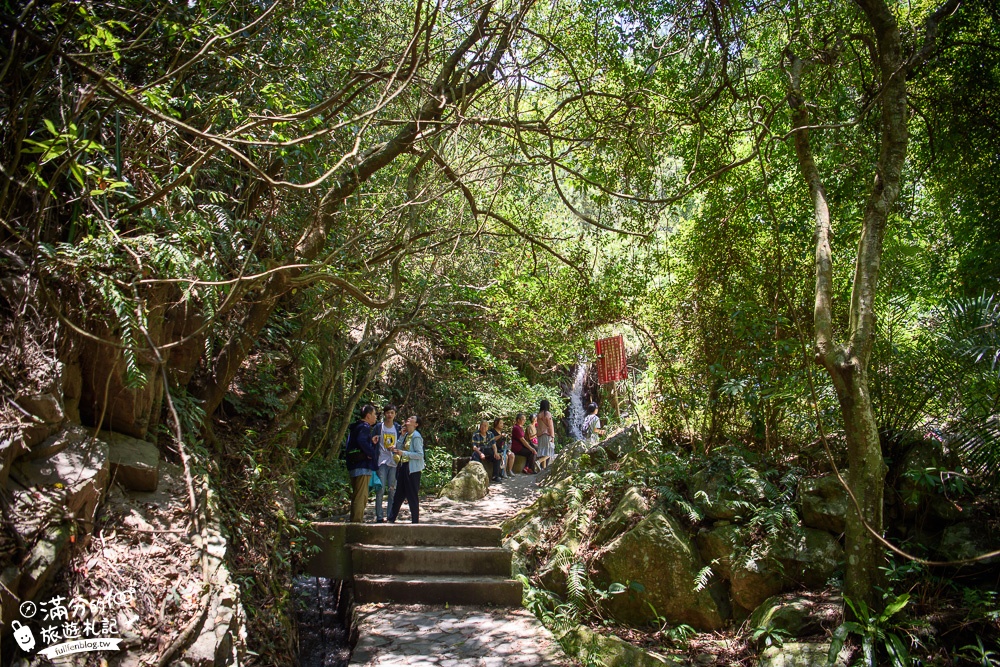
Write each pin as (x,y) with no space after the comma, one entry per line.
(703,578)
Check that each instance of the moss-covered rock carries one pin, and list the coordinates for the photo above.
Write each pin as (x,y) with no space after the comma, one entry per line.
(659,560)
(824,503)
(472,483)
(630,508)
(592,648)
(719,498)
(717,546)
(796,615)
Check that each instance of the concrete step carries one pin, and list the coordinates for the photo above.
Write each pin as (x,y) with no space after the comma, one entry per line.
(422,535)
(438,589)
(473,561)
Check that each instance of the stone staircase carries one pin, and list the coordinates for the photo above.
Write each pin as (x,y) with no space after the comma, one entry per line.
(419,563)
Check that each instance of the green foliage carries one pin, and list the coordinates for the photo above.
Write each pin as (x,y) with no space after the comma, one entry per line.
(324,485)
(878,633)
(437,469)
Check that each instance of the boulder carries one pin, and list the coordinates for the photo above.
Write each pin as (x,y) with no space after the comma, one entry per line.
(796,615)
(620,442)
(472,483)
(719,497)
(824,503)
(62,439)
(801,654)
(806,557)
(750,583)
(135,464)
(46,407)
(717,546)
(566,463)
(72,481)
(967,539)
(658,562)
(630,508)
(809,557)
(592,648)
(74,477)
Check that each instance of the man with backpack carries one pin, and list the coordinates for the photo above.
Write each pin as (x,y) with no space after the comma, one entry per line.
(362,461)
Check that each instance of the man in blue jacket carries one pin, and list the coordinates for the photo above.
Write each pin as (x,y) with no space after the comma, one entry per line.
(362,460)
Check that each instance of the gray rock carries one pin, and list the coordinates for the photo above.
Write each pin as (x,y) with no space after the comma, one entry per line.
(800,654)
(752,583)
(631,507)
(914,496)
(658,555)
(717,546)
(60,441)
(73,479)
(967,539)
(806,557)
(472,483)
(592,648)
(796,615)
(135,464)
(824,503)
(809,557)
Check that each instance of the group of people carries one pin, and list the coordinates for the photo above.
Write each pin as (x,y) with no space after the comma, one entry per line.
(391,452)
(390,456)
(531,437)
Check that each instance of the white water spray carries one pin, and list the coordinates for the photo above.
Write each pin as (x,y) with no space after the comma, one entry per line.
(576,401)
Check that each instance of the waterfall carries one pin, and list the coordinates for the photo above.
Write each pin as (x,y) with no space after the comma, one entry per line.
(576,401)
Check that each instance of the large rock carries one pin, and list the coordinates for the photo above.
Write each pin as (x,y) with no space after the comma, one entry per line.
(720,498)
(566,463)
(135,464)
(593,648)
(46,407)
(824,503)
(658,562)
(805,557)
(750,583)
(801,654)
(630,508)
(967,540)
(472,483)
(52,504)
(796,615)
(717,546)
(809,557)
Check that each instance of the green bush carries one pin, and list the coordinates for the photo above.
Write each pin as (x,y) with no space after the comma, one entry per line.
(437,471)
(324,484)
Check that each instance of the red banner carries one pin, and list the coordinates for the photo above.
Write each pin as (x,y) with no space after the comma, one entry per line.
(611,362)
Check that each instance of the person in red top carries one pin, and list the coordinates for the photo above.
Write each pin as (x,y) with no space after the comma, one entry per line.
(520,445)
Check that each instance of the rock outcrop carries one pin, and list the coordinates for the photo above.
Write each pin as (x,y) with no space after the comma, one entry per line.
(824,503)
(472,483)
(659,565)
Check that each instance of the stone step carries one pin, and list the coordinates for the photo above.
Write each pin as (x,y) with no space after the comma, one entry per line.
(475,561)
(438,589)
(416,535)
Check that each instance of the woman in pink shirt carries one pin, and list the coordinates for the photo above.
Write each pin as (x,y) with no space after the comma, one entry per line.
(546,434)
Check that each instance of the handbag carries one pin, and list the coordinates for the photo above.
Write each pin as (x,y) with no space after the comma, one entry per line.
(374,483)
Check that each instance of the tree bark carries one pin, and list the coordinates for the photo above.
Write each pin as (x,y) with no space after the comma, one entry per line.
(847,363)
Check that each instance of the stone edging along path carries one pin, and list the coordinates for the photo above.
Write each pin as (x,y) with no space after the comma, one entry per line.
(466,636)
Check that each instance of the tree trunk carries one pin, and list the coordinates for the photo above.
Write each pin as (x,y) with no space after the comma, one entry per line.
(452,86)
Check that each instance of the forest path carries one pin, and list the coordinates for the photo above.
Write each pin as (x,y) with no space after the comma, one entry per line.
(458,636)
